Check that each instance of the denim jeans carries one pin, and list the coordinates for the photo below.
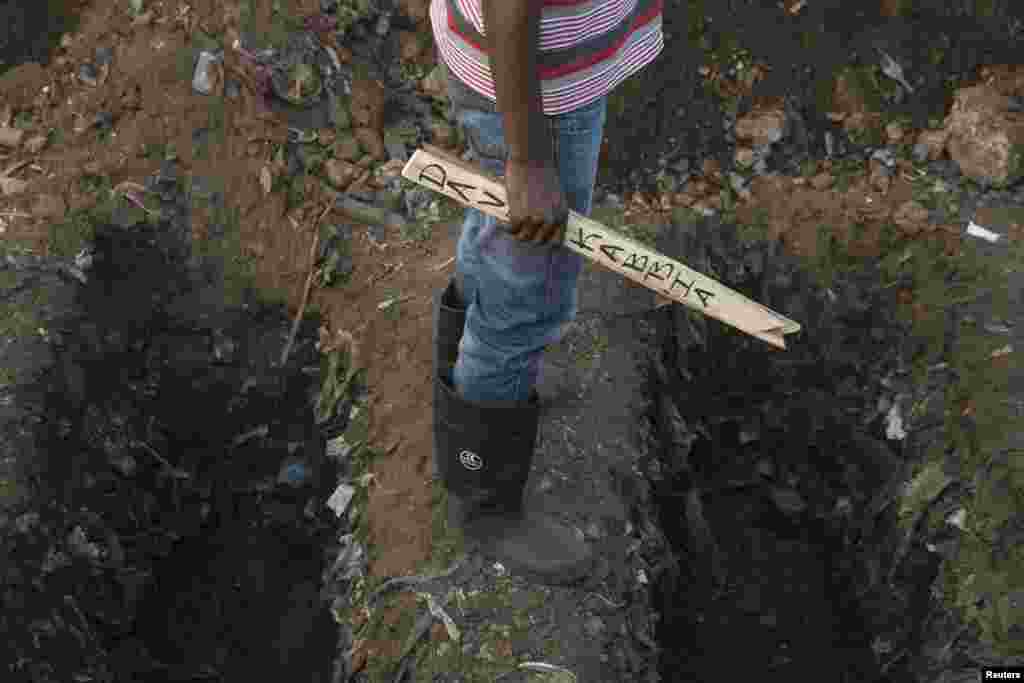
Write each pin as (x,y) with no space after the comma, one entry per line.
(519,295)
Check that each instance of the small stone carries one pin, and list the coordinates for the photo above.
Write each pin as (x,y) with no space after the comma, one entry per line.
(920,152)
(376,234)
(104,56)
(88,74)
(204,76)
(232,90)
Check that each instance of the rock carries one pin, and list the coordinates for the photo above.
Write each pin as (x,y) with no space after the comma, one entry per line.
(340,173)
(89,74)
(885,156)
(48,206)
(367,103)
(206,75)
(920,152)
(985,136)
(11,137)
(104,56)
(372,142)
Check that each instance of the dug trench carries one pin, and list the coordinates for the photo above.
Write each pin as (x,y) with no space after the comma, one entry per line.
(764,458)
(177,527)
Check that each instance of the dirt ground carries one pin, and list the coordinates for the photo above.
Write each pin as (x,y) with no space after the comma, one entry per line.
(147,111)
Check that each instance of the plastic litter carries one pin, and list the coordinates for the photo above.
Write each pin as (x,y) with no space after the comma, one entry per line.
(340,499)
(293,473)
(975,230)
(894,424)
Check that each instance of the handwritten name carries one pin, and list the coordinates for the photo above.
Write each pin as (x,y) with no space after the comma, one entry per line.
(677,287)
(663,271)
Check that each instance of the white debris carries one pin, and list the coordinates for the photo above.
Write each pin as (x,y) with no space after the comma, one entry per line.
(340,499)
(975,230)
(894,424)
(641,577)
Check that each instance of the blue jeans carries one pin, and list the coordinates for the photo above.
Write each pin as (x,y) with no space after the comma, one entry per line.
(518,295)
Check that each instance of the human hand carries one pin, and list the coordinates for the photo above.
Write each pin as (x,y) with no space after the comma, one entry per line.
(537,208)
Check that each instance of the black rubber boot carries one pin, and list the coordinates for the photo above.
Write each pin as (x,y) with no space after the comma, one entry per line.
(483,454)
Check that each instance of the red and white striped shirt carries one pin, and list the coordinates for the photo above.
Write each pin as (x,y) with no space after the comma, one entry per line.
(587,47)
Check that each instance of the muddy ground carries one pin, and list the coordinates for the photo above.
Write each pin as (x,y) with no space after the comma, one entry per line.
(231,219)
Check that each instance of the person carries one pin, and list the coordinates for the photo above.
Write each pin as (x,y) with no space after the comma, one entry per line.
(530,98)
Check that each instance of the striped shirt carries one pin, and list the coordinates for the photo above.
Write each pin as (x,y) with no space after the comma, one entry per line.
(587,47)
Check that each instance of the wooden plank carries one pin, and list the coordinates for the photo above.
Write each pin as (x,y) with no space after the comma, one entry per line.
(474,187)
